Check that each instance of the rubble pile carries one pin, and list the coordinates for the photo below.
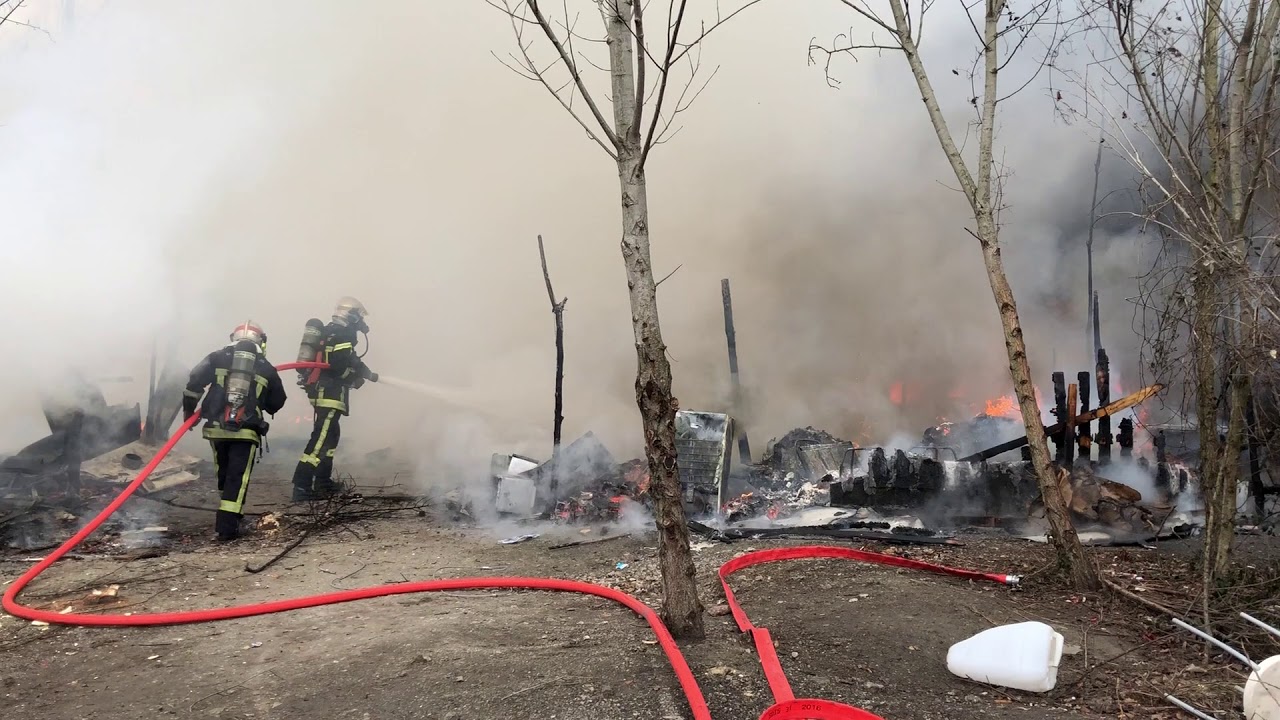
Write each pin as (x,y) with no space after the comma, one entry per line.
(583,483)
(939,489)
(92,449)
(1094,499)
(810,479)
(959,439)
(806,452)
(797,473)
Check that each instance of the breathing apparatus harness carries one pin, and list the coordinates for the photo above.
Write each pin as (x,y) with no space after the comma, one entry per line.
(249,343)
(311,349)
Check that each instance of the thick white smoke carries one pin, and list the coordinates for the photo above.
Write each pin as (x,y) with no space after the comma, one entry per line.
(176,168)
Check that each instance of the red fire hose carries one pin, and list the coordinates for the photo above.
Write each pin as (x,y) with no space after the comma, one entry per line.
(787,707)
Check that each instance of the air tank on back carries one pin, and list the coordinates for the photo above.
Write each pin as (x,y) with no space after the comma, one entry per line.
(311,347)
(241,375)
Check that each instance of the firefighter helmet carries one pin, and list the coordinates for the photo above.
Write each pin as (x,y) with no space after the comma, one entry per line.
(350,312)
(250,331)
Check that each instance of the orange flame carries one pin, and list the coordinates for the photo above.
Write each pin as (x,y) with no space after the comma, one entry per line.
(1003,406)
(1006,406)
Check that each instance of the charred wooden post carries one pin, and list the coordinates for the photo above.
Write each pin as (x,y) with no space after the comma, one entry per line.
(1060,412)
(73,452)
(1069,432)
(1160,441)
(1097,327)
(1125,438)
(744,445)
(1256,488)
(151,385)
(1103,437)
(1084,431)
(557,310)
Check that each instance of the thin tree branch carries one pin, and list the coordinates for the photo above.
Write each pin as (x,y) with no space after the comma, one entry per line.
(667,62)
(673,272)
(706,31)
(569,63)
(539,75)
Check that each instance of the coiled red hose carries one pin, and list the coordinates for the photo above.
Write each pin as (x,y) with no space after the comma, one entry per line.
(786,707)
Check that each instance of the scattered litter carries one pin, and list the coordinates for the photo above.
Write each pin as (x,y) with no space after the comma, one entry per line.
(269,524)
(620,566)
(104,594)
(1023,656)
(153,657)
(520,539)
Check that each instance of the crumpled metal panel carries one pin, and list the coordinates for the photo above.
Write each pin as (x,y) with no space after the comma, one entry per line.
(703,454)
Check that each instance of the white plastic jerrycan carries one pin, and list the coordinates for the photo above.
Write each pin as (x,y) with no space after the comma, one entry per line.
(1024,656)
(1262,691)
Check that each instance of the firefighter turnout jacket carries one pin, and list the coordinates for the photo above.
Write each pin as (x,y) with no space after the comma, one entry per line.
(268,398)
(346,370)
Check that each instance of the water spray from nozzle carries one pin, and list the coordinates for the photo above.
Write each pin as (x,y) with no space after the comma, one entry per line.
(444,395)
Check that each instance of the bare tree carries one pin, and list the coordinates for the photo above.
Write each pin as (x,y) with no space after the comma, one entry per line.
(645,100)
(1001,32)
(1188,96)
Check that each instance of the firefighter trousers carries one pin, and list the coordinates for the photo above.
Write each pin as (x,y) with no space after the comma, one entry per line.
(315,467)
(234,461)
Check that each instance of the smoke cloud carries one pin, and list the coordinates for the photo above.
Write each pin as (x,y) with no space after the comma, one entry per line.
(172,169)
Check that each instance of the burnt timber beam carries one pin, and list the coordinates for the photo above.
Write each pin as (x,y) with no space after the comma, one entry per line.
(1120,405)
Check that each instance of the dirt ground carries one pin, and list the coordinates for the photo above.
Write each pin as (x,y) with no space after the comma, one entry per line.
(868,636)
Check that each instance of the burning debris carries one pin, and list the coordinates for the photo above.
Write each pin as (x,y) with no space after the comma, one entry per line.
(810,478)
(952,477)
(959,439)
(583,483)
(793,452)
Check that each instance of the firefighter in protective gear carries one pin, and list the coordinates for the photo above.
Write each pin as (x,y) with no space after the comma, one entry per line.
(243,389)
(330,394)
